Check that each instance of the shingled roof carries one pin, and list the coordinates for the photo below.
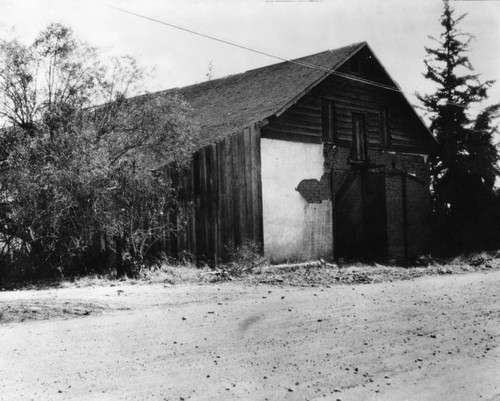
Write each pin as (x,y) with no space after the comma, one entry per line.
(226,105)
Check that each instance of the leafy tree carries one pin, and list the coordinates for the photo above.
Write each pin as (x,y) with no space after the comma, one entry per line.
(80,161)
(464,170)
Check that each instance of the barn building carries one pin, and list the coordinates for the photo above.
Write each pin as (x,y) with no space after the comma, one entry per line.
(320,156)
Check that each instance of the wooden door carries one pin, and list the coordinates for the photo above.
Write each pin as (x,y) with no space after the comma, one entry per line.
(361,218)
(348,219)
(374,216)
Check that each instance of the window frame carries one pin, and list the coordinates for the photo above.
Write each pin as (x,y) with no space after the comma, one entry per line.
(359,147)
(385,133)
(328,129)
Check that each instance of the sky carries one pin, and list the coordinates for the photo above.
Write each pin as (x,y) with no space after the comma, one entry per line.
(396,30)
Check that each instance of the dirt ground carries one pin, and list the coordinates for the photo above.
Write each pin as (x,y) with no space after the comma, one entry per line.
(427,338)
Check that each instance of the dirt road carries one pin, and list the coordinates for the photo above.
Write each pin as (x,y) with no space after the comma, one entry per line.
(433,338)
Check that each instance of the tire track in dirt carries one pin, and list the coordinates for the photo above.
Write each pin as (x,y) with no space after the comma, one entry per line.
(427,339)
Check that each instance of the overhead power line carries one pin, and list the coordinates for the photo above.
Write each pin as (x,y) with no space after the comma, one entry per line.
(297,62)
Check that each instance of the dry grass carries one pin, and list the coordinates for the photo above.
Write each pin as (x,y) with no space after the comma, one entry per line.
(307,274)
(15,312)
(173,274)
(312,273)
(319,273)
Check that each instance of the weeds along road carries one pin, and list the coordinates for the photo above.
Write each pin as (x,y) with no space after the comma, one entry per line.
(433,338)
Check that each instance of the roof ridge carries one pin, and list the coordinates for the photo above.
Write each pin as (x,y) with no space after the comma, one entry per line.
(356,45)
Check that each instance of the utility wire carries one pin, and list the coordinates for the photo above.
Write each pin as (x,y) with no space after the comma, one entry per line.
(297,62)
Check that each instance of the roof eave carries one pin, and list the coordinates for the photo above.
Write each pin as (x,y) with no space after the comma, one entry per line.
(361,45)
(403,95)
(299,95)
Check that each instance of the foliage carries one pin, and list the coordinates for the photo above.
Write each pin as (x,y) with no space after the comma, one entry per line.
(173,272)
(464,170)
(242,259)
(79,160)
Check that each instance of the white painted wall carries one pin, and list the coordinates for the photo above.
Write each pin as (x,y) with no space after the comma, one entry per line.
(293,228)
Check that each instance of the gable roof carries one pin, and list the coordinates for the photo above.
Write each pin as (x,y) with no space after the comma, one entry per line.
(226,105)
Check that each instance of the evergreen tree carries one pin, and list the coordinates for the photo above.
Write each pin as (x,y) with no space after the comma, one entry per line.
(464,170)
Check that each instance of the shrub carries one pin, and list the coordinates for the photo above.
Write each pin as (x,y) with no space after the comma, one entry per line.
(242,259)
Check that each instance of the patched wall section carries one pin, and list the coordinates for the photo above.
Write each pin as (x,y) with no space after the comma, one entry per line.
(295,227)
(297,200)
(408,203)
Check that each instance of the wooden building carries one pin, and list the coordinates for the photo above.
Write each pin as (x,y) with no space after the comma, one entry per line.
(321,156)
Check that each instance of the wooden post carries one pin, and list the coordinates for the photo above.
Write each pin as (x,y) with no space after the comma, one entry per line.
(334,216)
(405,214)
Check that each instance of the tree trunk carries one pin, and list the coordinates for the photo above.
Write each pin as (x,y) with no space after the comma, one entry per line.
(120,263)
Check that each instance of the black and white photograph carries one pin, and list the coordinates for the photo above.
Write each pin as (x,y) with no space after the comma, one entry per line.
(250,200)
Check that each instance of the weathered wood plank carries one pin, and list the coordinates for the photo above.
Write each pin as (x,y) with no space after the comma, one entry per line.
(240,184)
(293,131)
(285,126)
(253,149)
(312,118)
(249,220)
(228,189)
(192,233)
(234,174)
(198,217)
(287,136)
(205,206)
(257,178)
(189,241)
(305,108)
(182,235)
(302,124)
(222,200)
(328,120)
(212,204)
(350,104)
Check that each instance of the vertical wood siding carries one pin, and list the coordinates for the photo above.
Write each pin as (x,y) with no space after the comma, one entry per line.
(221,197)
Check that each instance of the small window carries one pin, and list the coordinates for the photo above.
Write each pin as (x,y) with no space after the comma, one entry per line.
(385,135)
(359,148)
(328,120)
